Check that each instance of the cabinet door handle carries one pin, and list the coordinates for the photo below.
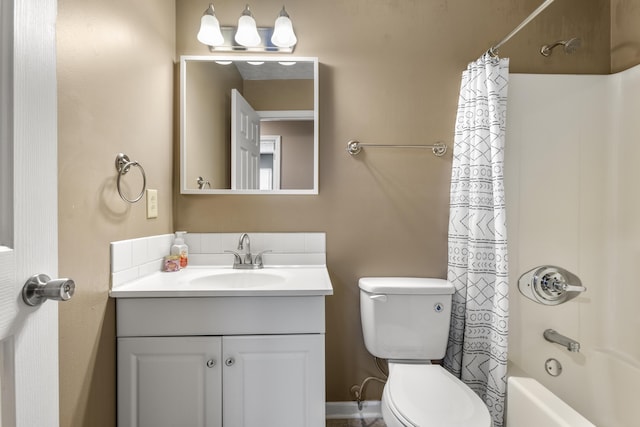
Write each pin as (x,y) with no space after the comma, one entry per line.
(230,361)
(211,363)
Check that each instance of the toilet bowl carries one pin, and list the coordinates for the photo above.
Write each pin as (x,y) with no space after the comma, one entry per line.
(429,396)
(406,320)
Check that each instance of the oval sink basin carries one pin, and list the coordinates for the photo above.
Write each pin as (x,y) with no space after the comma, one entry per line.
(238,279)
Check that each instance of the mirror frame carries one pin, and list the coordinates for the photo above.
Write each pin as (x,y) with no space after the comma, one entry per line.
(183,112)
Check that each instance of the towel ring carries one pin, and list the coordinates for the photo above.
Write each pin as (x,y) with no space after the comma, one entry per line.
(123,165)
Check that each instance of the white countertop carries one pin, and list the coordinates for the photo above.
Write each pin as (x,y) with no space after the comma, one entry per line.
(207,281)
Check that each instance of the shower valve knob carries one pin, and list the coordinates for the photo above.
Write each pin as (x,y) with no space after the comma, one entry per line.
(550,285)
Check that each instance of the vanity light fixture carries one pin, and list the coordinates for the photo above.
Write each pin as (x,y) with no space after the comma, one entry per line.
(283,35)
(210,33)
(247,34)
(247,37)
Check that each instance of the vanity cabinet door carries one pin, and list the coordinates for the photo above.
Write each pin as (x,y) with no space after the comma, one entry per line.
(169,381)
(274,381)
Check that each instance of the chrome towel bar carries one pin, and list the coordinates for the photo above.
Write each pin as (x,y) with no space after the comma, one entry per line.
(354,147)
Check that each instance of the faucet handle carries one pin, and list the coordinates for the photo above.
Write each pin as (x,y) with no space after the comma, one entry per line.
(559,284)
(258,259)
(572,288)
(237,259)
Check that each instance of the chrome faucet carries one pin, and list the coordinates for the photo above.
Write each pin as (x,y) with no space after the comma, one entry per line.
(244,244)
(554,337)
(246,260)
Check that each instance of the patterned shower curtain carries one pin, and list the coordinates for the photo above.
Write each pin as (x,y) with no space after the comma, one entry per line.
(477,261)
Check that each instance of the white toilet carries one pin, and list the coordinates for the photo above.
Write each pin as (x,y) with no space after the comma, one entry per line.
(406,320)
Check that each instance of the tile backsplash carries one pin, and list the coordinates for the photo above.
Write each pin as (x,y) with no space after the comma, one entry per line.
(135,258)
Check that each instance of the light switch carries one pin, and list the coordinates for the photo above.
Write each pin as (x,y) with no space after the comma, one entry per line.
(152,203)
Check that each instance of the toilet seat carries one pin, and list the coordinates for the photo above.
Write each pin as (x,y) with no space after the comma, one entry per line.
(424,395)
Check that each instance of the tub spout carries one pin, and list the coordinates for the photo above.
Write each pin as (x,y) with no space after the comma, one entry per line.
(552,336)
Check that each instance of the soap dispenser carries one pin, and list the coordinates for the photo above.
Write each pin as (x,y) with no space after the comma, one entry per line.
(180,248)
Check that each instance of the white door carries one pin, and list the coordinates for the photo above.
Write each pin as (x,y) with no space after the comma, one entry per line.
(273,380)
(28,212)
(245,144)
(169,381)
(270,169)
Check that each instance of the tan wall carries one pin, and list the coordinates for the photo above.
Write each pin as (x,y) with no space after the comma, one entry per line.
(385,212)
(209,122)
(625,34)
(297,152)
(279,94)
(115,94)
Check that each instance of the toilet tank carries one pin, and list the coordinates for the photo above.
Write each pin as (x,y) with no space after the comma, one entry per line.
(405,318)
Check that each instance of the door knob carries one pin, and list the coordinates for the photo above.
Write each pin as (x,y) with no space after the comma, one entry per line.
(40,288)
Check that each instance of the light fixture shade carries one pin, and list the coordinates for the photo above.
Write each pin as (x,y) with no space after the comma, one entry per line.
(283,35)
(210,33)
(247,33)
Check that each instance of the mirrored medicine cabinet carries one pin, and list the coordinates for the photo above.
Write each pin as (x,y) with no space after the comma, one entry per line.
(248,125)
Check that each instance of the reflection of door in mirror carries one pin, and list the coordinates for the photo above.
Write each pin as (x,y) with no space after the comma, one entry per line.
(245,144)
(269,162)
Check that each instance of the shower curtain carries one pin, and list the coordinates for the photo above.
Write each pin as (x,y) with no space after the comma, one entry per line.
(477,259)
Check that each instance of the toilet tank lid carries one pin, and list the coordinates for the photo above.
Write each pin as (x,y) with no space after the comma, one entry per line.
(406,285)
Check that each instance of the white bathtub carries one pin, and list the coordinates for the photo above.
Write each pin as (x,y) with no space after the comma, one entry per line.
(530,404)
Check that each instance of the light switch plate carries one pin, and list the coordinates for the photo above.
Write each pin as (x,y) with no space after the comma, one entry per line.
(152,203)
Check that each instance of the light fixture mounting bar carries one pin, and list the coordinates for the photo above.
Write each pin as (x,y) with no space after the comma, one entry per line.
(265,42)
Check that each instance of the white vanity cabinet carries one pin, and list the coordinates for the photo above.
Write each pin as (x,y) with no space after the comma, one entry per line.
(221,362)
(170,381)
(273,380)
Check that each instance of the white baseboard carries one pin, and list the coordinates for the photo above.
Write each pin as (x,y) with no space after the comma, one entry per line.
(349,410)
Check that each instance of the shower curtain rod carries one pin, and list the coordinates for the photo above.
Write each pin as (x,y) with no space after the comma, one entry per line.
(493,50)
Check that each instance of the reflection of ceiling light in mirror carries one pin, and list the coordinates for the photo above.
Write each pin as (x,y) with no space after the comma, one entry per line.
(247,34)
(210,33)
(287,63)
(255,62)
(283,35)
(224,62)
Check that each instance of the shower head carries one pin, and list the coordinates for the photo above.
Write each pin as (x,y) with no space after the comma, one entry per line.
(569,46)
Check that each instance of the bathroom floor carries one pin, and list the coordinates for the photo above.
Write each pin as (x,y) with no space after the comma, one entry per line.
(358,422)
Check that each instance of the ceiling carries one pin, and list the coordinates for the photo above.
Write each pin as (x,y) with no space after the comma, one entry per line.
(273,70)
